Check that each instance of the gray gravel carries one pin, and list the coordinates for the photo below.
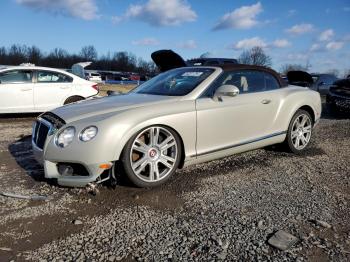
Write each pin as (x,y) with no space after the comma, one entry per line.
(223,210)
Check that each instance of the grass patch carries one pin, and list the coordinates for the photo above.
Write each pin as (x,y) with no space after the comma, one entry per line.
(120,88)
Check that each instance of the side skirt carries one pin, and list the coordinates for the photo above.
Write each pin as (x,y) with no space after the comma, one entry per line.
(236,148)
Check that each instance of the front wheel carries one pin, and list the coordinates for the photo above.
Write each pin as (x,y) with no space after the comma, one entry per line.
(299,131)
(151,156)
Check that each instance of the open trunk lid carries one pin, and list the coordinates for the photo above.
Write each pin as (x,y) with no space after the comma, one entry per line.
(167,59)
(299,78)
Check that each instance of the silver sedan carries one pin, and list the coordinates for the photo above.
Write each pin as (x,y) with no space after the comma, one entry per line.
(181,117)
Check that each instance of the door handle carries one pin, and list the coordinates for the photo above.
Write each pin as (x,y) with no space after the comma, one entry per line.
(26,89)
(266,101)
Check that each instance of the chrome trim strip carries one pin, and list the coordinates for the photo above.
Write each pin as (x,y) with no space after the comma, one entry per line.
(241,144)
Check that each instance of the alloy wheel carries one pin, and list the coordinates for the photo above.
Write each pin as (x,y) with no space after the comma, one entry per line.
(301,131)
(153,154)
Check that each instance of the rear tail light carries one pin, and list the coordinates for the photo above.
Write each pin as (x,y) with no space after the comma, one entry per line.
(95,87)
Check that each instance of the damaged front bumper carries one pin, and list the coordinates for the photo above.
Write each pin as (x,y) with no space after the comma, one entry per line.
(72,173)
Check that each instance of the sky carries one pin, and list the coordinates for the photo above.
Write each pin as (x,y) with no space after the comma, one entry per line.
(290,31)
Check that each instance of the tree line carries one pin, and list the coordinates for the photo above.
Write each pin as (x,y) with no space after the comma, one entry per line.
(60,58)
(121,61)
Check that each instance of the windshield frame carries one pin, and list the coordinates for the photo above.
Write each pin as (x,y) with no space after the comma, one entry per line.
(207,71)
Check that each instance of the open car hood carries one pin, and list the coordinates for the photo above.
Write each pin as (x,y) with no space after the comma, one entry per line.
(167,59)
(299,78)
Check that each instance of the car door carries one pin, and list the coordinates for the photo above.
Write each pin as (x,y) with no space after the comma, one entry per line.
(51,89)
(16,91)
(233,121)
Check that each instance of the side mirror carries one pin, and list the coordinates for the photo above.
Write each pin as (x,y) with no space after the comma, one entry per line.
(226,90)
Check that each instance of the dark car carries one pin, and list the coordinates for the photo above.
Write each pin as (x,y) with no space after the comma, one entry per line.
(322,82)
(338,97)
(168,59)
(318,82)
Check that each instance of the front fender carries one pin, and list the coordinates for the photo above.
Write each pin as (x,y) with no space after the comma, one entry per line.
(183,121)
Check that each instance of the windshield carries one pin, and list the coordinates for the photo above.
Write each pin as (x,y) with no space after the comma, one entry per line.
(176,82)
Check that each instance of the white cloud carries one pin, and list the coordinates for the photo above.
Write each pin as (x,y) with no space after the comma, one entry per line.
(249,43)
(244,17)
(326,35)
(116,19)
(297,57)
(148,41)
(291,12)
(300,29)
(162,13)
(316,47)
(84,9)
(281,43)
(335,45)
(189,44)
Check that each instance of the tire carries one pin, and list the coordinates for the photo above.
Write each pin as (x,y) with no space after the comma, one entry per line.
(73,99)
(299,132)
(152,156)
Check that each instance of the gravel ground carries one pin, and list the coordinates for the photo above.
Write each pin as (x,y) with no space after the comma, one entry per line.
(223,210)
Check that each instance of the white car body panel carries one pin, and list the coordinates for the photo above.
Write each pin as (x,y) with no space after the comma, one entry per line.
(40,97)
(17,97)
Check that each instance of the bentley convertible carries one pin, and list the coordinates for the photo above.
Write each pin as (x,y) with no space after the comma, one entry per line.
(181,117)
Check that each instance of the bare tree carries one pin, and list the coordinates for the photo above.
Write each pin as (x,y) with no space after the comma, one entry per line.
(17,54)
(255,56)
(60,58)
(34,55)
(88,53)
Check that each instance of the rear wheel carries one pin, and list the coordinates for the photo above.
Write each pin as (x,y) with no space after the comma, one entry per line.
(152,156)
(73,99)
(299,131)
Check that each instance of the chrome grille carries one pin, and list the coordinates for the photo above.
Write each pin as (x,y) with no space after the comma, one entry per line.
(41,129)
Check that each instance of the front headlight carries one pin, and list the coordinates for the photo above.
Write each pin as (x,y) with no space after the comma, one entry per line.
(88,133)
(65,137)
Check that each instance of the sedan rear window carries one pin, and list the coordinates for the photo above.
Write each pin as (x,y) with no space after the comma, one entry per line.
(176,82)
(16,77)
(55,77)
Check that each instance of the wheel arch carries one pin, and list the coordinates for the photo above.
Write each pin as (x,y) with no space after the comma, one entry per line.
(310,110)
(72,97)
(131,134)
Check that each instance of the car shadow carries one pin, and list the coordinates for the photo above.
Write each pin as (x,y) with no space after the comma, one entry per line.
(21,150)
(19,115)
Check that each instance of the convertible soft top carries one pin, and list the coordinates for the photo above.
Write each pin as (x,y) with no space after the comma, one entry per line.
(254,67)
(168,59)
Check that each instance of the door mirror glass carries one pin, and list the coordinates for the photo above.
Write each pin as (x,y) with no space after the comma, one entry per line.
(226,90)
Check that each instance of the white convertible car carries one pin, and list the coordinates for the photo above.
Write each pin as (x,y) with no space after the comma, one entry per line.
(25,89)
(183,116)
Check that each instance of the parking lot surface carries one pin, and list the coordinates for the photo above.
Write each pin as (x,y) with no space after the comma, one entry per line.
(222,210)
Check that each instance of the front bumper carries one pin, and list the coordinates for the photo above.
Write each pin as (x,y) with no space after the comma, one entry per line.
(51,165)
(52,171)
